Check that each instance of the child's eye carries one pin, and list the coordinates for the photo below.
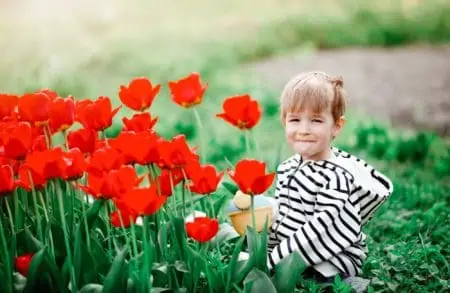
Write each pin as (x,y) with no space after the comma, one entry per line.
(294,120)
(317,120)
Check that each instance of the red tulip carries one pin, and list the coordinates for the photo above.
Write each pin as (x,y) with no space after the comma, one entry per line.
(80,108)
(122,217)
(202,229)
(16,140)
(204,179)
(62,114)
(49,164)
(143,201)
(118,182)
(104,160)
(51,94)
(22,263)
(39,143)
(94,184)
(141,148)
(188,92)
(176,153)
(111,184)
(139,94)
(96,115)
(37,180)
(75,164)
(139,122)
(6,179)
(34,108)
(83,139)
(167,180)
(8,105)
(10,162)
(241,111)
(251,177)
(54,163)
(102,143)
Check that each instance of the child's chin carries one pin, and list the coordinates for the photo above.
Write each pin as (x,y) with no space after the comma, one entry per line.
(303,149)
(306,153)
(303,153)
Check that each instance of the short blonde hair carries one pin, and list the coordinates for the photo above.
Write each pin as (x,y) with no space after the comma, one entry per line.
(316,91)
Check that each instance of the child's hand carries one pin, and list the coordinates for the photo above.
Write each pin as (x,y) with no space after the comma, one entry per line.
(274,205)
(243,256)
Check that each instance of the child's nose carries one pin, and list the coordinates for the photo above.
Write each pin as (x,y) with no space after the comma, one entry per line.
(303,127)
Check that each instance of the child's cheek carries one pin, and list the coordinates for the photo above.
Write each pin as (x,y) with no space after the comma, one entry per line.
(290,135)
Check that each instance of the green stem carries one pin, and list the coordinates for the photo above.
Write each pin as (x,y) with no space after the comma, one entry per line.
(17,219)
(47,136)
(105,137)
(112,231)
(257,148)
(202,145)
(24,206)
(133,239)
(195,283)
(173,194)
(124,231)
(247,143)
(10,217)
(7,260)
(13,229)
(66,237)
(66,142)
(147,255)
(86,228)
(213,214)
(185,179)
(183,199)
(153,177)
(252,201)
(50,197)
(38,214)
(44,207)
(204,251)
(47,219)
(36,208)
(72,206)
(211,204)
(167,208)
(177,284)
(108,231)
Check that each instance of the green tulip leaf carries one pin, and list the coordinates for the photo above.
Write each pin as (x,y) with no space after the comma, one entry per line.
(115,281)
(257,281)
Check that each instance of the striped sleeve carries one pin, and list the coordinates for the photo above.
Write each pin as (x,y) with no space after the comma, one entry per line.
(372,187)
(371,201)
(334,227)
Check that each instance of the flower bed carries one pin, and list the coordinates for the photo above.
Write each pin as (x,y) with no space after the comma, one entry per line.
(82,212)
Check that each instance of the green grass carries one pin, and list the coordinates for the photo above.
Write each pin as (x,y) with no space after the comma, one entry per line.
(353,25)
(88,56)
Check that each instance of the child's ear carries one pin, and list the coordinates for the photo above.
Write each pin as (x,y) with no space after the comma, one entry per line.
(338,125)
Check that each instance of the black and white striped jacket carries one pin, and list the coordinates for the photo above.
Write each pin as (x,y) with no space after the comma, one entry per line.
(322,206)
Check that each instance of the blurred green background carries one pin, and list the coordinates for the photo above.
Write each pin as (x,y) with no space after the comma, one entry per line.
(90,48)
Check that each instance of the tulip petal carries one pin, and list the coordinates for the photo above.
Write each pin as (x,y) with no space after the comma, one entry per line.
(261,184)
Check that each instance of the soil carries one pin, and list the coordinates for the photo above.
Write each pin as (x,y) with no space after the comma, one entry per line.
(409,87)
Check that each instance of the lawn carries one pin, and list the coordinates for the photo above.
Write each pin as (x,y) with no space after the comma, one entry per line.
(89,50)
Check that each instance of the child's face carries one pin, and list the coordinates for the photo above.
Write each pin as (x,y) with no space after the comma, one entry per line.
(310,134)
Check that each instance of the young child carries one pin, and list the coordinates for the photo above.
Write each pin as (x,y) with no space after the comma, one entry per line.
(324,195)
